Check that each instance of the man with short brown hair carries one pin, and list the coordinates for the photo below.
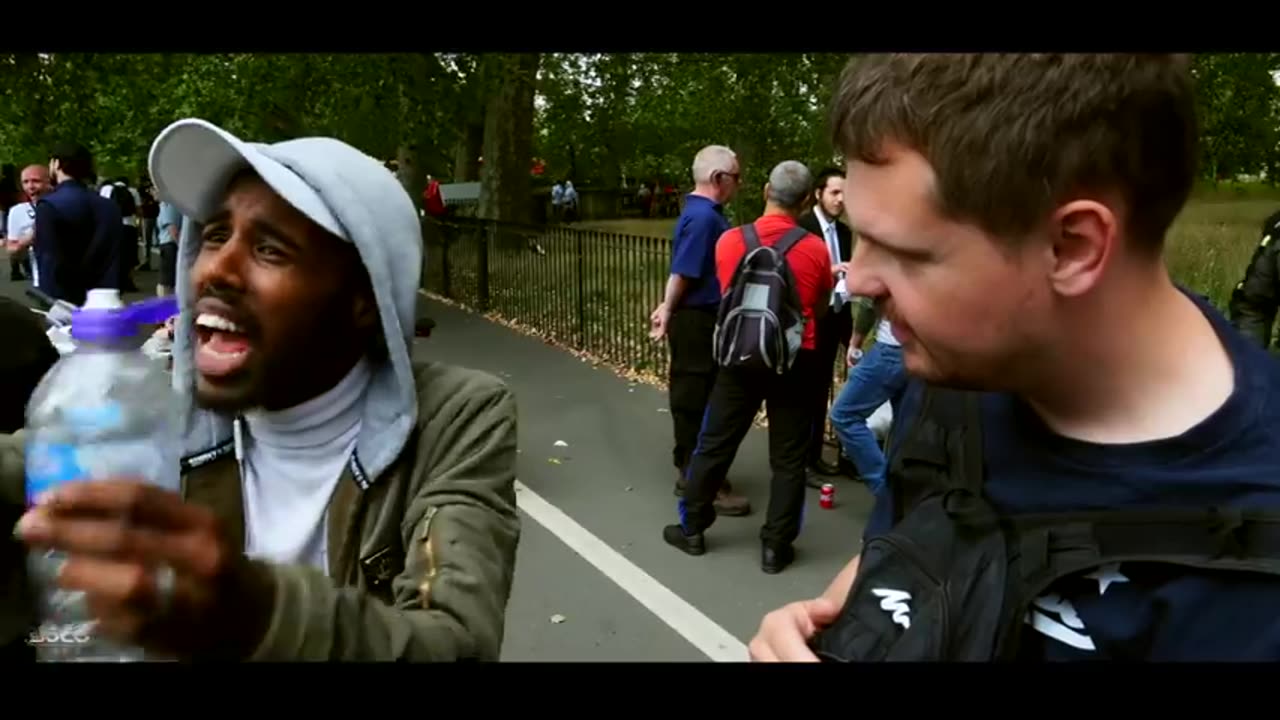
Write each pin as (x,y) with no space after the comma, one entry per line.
(1011,212)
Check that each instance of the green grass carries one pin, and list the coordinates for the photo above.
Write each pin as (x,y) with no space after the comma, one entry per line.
(1211,243)
(588,288)
(1207,248)
(592,291)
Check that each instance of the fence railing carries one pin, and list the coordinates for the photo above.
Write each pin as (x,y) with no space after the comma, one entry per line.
(586,289)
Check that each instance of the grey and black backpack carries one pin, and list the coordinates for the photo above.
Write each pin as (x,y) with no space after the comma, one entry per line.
(761,323)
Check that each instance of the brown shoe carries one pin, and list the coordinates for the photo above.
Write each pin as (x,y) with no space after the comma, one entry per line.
(726,503)
(729,504)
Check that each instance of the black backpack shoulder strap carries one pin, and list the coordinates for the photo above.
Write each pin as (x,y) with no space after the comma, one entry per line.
(941,448)
(1047,547)
(788,241)
(1053,545)
(750,238)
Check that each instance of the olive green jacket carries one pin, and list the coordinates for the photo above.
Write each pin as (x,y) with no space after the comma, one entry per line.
(420,562)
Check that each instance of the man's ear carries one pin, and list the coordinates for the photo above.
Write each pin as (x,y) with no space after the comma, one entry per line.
(1083,240)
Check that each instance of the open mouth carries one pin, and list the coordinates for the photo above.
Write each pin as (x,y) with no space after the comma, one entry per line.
(222,346)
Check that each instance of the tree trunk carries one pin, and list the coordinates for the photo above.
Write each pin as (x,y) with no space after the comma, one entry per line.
(466,156)
(505,190)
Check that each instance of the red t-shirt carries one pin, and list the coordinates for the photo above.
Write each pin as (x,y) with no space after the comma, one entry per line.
(809,260)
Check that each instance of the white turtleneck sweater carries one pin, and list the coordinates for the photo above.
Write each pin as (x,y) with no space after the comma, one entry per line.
(292,460)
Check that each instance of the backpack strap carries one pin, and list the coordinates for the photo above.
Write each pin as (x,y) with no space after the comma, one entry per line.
(1046,547)
(750,238)
(788,241)
(941,452)
(1053,545)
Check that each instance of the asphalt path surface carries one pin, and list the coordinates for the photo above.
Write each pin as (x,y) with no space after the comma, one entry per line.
(594,580)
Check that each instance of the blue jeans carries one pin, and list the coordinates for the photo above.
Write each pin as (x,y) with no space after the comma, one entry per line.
(878,377)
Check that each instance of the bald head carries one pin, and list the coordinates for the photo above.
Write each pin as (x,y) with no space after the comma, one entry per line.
(789,184)
(35,181)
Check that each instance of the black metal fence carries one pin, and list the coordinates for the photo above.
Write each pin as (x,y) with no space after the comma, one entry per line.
(586,289)
(589,290)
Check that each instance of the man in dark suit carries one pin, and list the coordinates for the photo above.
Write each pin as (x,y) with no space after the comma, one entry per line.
(834,327)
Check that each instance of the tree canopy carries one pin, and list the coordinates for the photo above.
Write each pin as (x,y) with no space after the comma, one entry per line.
(600,119)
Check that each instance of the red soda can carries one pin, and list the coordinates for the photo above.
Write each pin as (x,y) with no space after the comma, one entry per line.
(827,499)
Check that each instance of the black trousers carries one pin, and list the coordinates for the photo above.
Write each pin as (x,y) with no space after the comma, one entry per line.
(831,331)
(735,400)
(691,375)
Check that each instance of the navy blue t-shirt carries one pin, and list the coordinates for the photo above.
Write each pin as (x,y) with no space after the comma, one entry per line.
(1136,611)
(693,250)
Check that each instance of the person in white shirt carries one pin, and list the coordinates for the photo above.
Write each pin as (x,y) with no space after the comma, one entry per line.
(130,203)
(570,202)
(557,200)
(20,225)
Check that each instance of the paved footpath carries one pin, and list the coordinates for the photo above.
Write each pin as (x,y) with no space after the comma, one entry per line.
(592,555)
(594,580)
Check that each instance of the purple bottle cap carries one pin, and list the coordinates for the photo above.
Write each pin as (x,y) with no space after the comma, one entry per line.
(105,324)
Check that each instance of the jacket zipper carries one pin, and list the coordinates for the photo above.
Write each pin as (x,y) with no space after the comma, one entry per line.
(429,554)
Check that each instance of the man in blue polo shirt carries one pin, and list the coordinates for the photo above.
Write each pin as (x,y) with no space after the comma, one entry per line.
(1017,252)
(686,317)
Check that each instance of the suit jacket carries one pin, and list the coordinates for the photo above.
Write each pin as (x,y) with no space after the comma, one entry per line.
(840,323)
(844,236)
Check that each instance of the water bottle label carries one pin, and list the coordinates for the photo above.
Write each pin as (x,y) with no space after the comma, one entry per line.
(50,465)
(95,417)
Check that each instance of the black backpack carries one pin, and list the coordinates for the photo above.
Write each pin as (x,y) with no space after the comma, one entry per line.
(953,580)
(761,323)
(123,199)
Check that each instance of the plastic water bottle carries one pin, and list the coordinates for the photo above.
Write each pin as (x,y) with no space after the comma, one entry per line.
(104,410)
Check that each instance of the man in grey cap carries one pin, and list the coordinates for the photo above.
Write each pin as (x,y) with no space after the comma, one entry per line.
(340,501)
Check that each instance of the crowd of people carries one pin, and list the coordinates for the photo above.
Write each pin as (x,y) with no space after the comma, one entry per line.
(1081,463)
(66,232)
(713,406)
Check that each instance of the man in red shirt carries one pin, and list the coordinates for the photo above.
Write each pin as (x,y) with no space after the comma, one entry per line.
(737,394)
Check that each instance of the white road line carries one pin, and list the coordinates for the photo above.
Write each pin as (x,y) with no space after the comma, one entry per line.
(701,631)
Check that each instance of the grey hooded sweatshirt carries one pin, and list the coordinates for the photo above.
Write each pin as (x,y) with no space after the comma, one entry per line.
(422,528)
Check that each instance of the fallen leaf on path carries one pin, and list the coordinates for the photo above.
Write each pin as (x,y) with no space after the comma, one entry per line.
(561,443)
(557,618)
(554,461)
(629,488)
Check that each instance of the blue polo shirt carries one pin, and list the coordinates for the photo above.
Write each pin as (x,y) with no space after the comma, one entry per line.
(1136,611)
(693,250)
